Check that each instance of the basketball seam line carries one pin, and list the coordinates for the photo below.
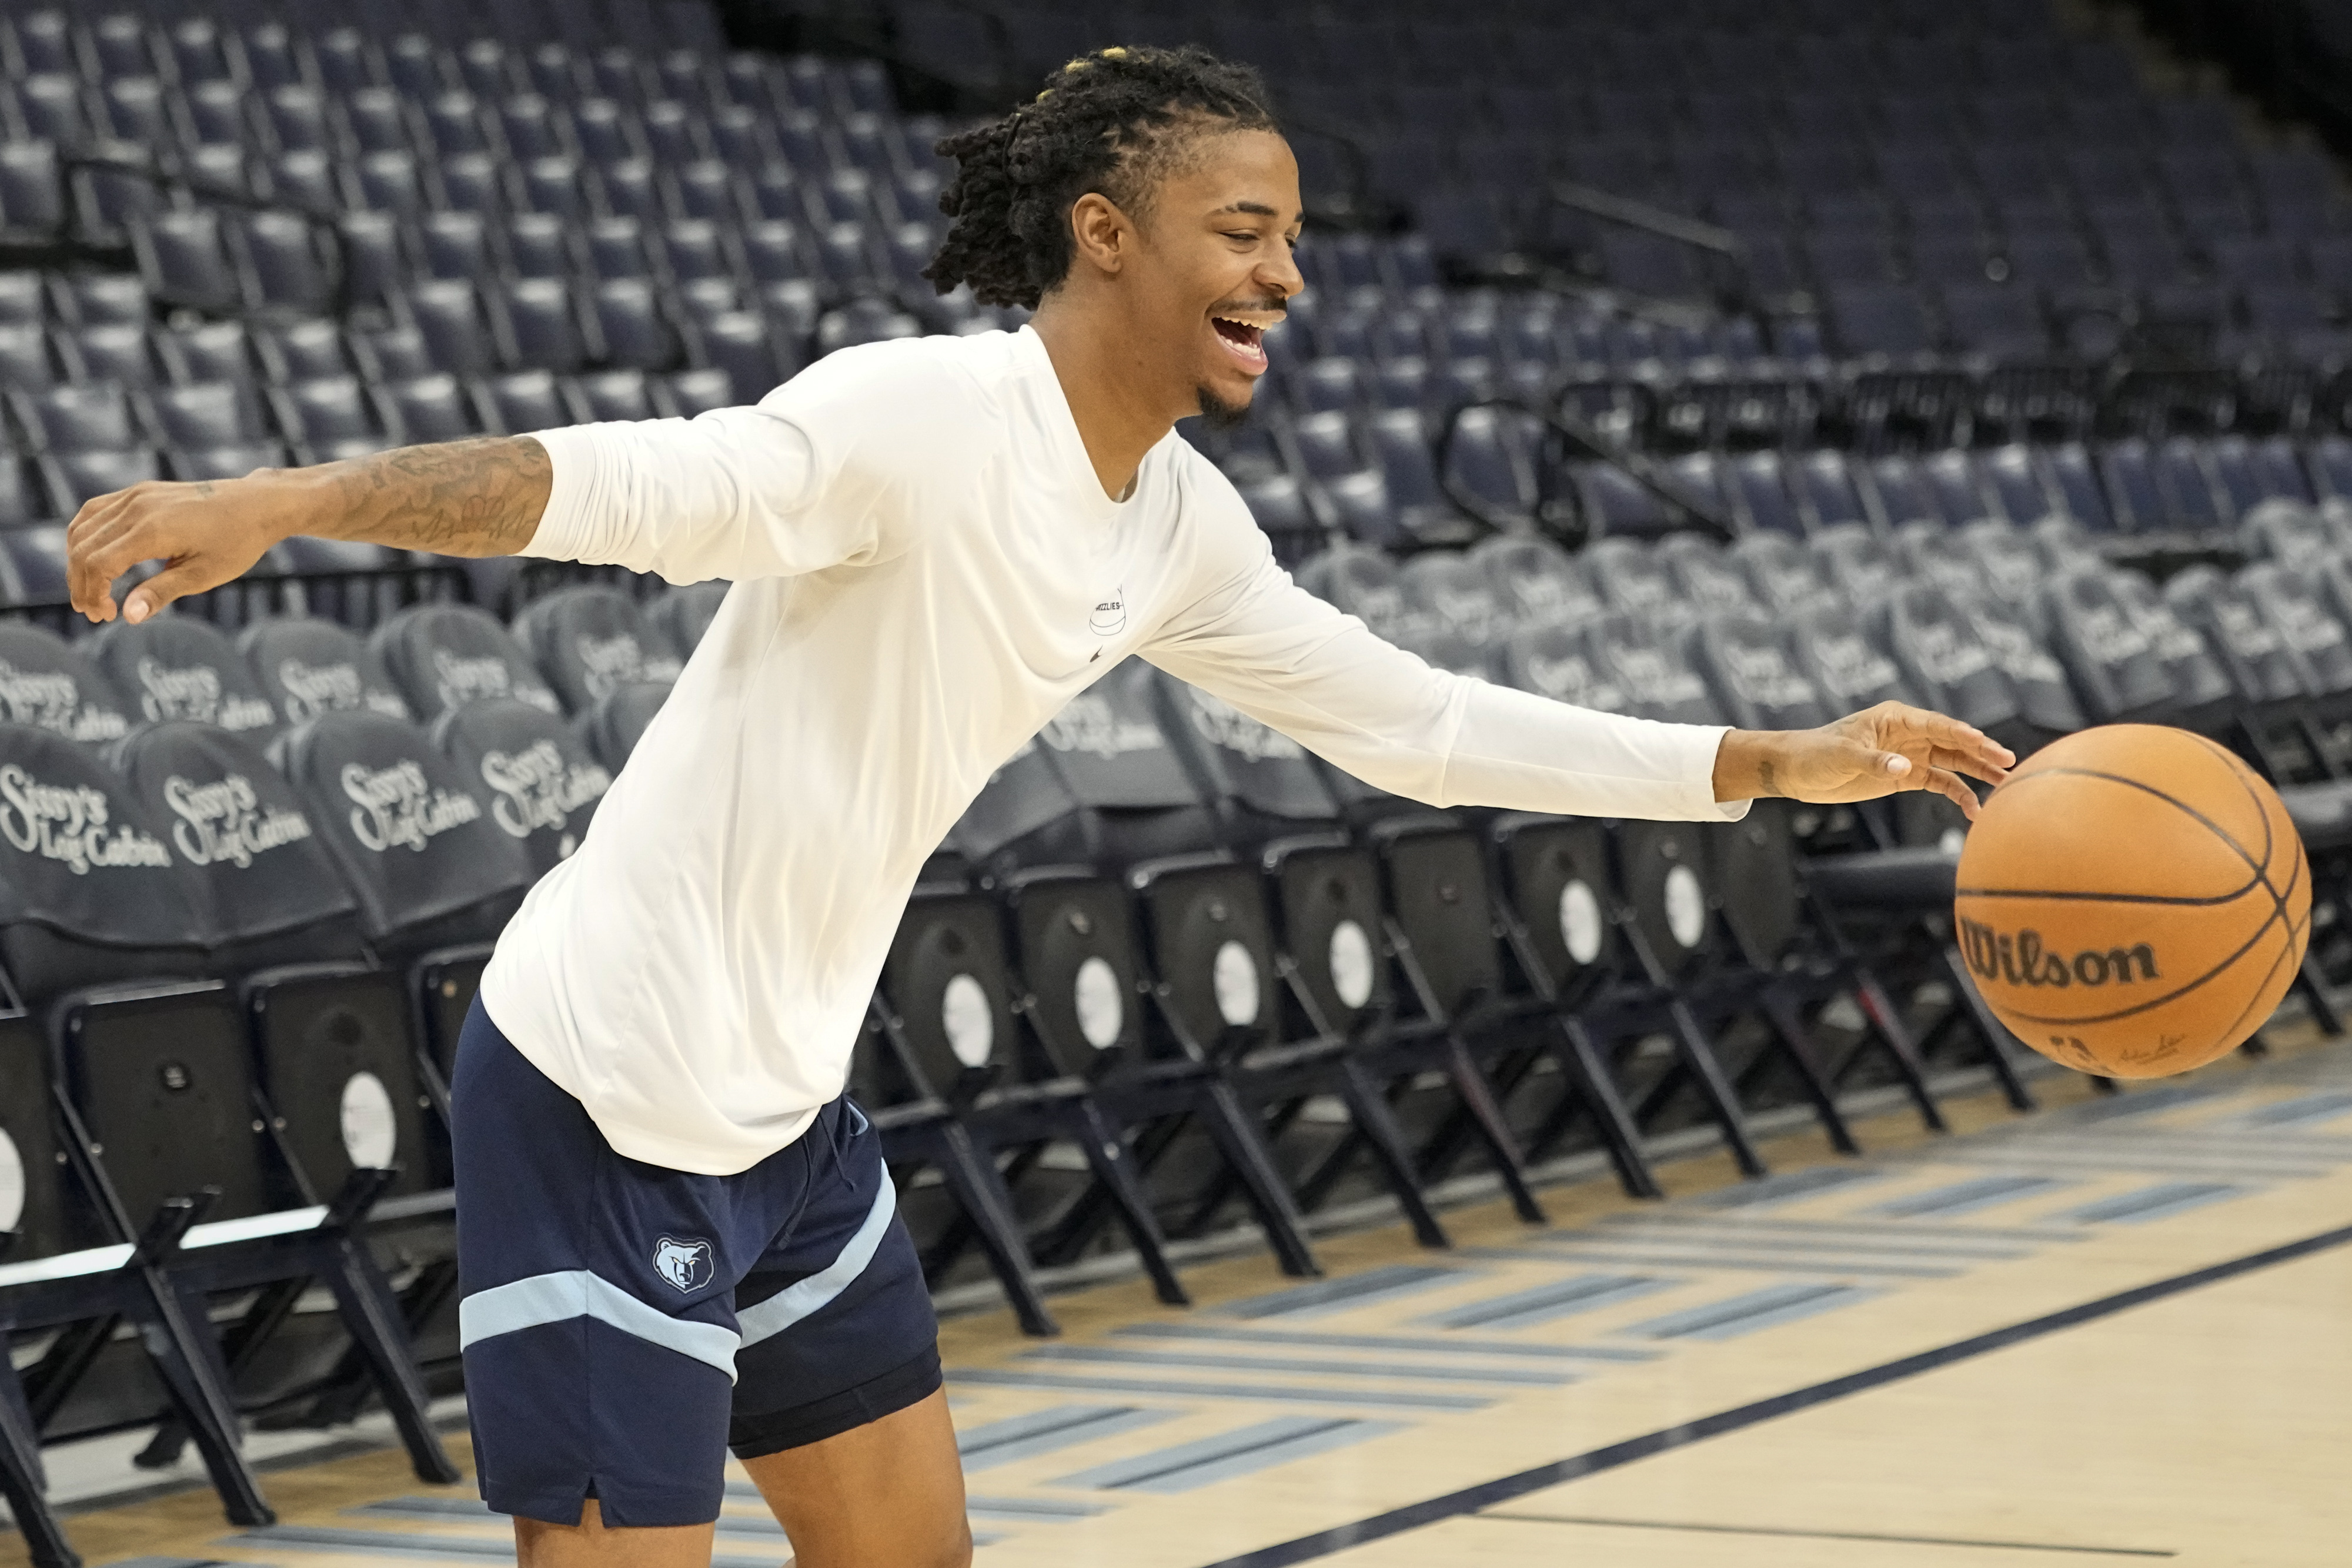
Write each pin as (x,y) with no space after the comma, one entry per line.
(2215,829)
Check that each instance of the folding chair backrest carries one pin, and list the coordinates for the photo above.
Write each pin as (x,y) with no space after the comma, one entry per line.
(1787,578)
(1849,670)
(949,981)
(176,667)
(2307,624)
(1240,761)
(307,666)
(2251,648)
(535,771)
(1944,658)
(1538,581)
(2045,700)
(414,842)
(2116,668)
(45,684)
(587,641)
(1750,663)
(683,615)
(617,721)
(271,894)
(2200,679)
(443,656)
(90,891)
(1447,589)
(1113,757)
(164,1081)
(1632,654)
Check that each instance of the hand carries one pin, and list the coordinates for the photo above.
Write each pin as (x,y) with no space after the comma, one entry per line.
(1878,751)
(205,533)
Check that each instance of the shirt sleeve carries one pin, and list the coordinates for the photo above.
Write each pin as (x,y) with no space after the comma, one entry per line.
(1291,661)
(729,495)
(818,474)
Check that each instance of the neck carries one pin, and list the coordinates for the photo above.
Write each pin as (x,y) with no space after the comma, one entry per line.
(1120,411)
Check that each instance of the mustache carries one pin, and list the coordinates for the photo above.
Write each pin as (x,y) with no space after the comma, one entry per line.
(1277,306)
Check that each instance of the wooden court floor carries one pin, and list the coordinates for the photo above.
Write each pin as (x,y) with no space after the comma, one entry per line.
(2113,1330)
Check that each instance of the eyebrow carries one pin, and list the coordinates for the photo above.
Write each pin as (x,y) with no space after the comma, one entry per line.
(1256,209)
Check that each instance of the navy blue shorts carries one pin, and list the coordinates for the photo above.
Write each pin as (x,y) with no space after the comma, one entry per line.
(624,1324)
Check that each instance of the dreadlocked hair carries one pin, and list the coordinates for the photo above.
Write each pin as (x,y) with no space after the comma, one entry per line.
(1110,121)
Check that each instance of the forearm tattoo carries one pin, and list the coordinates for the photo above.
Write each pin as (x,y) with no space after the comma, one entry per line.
(482,497)
(1765,781)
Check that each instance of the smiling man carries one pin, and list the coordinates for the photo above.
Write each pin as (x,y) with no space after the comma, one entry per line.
(676,1234)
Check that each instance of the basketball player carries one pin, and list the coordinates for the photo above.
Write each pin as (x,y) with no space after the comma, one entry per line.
(676,1234)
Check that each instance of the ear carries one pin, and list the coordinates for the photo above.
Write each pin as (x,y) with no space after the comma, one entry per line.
(1104,235)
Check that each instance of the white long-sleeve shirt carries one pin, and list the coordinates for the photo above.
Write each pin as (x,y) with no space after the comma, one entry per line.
(926,570)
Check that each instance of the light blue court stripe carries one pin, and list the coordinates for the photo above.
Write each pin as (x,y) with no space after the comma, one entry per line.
(1122,1355)
(1765,1191)
(1043,1431)
(1745,1314)
(1245,1451)
(1009,1377)
(2323,1107)
(1340,1295)
(1449,1346)
(2165,1198)
(1967,1196)
(577,1293)
(1699,1254)
(1541,1304)
(796,1301)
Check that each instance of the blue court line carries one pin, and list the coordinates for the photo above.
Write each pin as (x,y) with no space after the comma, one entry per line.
(1450,1344)
(2159,1202)
(394,1543)
(2140,1102)
(1365,1367)
(1968,1196)
(1542,1303)
(1789,1188)
(1504,1489)
(1245,1451)
(1043,1431)
(1008,1377)
(1051,1510)
(1745,1314)
(1689,1257)
(1857,1226)
(1912,1242)
(2302,1109)
(1340,1295)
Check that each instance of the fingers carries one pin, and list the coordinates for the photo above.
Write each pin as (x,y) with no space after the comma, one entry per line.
(1977,753)
(179,579)
(1953,787)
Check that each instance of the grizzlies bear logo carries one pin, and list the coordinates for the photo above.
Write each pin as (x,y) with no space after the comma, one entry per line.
(685,1264)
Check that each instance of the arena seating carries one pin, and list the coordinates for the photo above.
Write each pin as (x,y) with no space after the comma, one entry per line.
(1981,376)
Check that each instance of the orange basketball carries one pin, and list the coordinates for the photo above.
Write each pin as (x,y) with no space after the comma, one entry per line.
(2134,900)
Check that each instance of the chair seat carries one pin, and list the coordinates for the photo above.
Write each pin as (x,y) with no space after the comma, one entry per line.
(1886,879)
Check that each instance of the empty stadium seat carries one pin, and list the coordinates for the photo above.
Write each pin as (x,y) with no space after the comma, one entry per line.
(443,656)
(537,775)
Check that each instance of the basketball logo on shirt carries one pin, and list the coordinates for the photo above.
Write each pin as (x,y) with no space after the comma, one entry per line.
(685,1264)
(1109,618)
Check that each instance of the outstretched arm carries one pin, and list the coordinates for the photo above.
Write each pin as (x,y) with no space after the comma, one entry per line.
(478,497)
(1293,662)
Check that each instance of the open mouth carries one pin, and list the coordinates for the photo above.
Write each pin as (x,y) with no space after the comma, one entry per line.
(1242,340)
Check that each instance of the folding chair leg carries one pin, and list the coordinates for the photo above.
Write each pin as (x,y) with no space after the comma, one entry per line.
(1478,1096)
(1106,1154)
(181,1343)
(1787,1024)
(1990,1029)
(1237,1137)
(1699,1056)
(1222,1185)
(23,1482)
(1887,1019)
(961,1232)
(2313,987)
(372,1316)
(975,1184)
(273,1304)
(1369,1114)
(1586,1068)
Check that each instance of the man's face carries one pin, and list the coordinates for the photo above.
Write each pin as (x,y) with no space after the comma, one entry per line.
(1215,269)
